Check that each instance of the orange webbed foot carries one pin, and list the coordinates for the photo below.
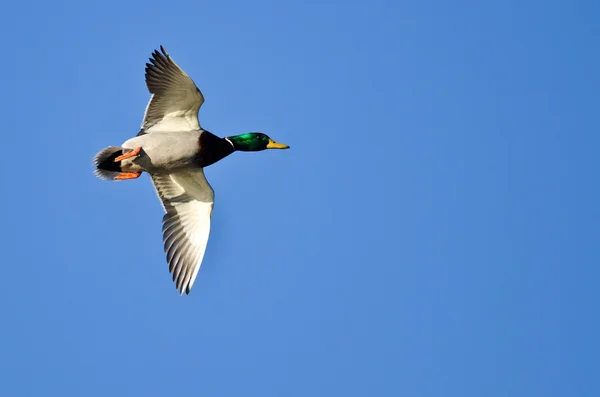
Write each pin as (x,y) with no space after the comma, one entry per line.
(127,175)
(129,155)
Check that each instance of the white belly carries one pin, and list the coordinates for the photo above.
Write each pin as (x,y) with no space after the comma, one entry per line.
(162,151)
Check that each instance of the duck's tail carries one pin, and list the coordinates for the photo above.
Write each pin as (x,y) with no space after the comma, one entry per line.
(106,166)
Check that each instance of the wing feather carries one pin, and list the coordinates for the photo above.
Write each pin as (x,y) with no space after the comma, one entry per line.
(175,100)
(187,199)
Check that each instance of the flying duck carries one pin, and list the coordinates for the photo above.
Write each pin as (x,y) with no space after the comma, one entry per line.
(173,149)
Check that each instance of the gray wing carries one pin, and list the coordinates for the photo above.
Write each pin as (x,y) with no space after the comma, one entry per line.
(188,199)
(175,100)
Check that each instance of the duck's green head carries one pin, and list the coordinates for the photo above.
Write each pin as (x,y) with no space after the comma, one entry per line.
(254,142)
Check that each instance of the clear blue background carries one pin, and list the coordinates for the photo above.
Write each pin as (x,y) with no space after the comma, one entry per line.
(432,232)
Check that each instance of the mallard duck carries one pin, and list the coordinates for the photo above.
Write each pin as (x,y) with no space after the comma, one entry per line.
(173,149)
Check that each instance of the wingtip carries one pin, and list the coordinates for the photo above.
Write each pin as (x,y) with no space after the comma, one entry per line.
(183,288)
(158,58)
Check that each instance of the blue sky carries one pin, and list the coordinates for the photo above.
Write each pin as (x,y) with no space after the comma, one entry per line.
(432,232)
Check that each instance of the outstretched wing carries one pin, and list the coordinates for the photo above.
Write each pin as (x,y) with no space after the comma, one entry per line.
(175,100)
(188,201)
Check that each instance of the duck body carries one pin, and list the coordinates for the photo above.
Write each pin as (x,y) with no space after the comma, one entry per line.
(173,149)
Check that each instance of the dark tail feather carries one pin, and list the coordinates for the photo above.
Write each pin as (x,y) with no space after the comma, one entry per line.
(106,167)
